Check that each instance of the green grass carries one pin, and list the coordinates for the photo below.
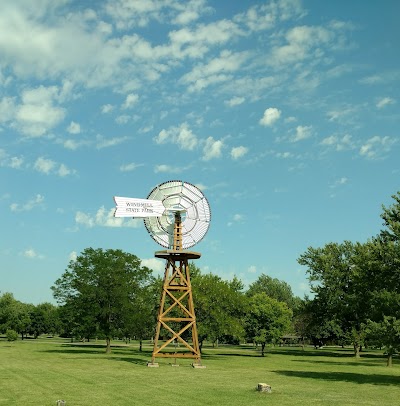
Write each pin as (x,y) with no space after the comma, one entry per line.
(38,372)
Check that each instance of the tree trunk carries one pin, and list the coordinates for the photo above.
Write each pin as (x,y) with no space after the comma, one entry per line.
(108,348)
(356,350)
(201,345)
(140,345)
(389,359)
(262,349)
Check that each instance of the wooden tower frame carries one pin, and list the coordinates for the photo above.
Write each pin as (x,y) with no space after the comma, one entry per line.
(176,321)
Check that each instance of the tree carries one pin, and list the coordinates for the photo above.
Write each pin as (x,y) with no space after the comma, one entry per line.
(7,311)
(43,319)
(391,218)
(14,315)
(274,288)
(340,283)
(219,306)
(310,321)
(11,335)
(140,324)
(267,320)
(102,285)
(385,334)
(23,319)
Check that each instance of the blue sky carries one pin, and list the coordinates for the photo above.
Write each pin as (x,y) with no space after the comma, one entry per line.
(285,113)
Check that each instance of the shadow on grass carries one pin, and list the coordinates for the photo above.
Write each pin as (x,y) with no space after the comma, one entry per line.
(373,379)
(334,353)
(132,360)
(357,363)
(219,355)
(97,349)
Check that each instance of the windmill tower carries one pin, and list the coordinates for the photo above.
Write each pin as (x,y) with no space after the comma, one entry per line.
(178,217)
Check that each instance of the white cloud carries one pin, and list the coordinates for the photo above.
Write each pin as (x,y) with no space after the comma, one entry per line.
(236,218)
(271,115)
(371,80)
(339,182)
(7,109)
(265,16)
(340,114)
(129,167)
(29,205)
(216,71)
(284,155)
(302,42)
(376,147)
(130,101)
(122,119)
(212,149)
(102,142)
(13,162)
(37,114)
(107,108)
(338,143)
(252,269)
(72,256)
(382,77)
(190,11)
(32,254)
(201,186)
(302,133)
(104,218)
(235,101)
(385,101)
(238,152)
(44,165)
(73,144)
(181,136)
(155,264)
(131,13)
(63,170)
(167,169)
(48,166)
(194,43)
(74,128)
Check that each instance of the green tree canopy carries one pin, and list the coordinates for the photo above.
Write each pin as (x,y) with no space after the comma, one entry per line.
(43,319)
(15,315)
(267,319)
(391,218)
(274,288)
(102,286)
(385,334)
(340,283)
(219,306)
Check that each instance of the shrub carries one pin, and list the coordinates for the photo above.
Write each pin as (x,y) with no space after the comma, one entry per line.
(11,335)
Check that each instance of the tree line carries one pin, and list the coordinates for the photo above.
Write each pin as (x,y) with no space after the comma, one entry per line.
(109,294)
(355,299)
(356,289)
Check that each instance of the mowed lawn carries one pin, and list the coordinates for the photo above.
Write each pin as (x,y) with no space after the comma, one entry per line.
(39,372)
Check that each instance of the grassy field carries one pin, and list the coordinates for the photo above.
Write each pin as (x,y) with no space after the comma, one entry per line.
(38,372)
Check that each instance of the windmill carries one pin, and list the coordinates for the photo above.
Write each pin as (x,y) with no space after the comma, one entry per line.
(177,216)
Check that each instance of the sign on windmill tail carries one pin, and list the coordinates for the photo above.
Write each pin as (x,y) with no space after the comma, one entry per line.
(132,207)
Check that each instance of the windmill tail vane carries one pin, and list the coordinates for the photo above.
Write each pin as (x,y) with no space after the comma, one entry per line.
(132,207)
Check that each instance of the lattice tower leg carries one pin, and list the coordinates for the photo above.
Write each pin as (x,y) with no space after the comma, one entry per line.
(176,322)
